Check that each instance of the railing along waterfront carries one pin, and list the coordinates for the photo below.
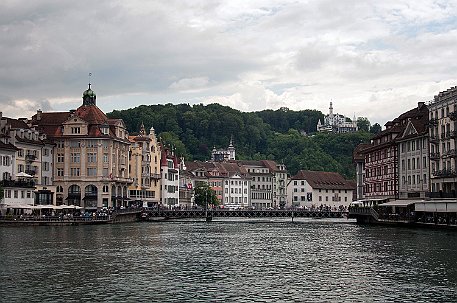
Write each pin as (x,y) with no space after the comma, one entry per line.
(243,213)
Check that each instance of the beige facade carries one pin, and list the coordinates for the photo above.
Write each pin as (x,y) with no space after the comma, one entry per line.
(90,156)
(145,168)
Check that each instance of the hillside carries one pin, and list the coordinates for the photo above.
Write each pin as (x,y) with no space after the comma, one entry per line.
(277,135)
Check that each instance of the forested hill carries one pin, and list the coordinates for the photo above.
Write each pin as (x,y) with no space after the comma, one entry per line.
(277,135)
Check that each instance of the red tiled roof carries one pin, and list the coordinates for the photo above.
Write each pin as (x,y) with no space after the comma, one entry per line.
(15,123)
(91,114)
(323,180)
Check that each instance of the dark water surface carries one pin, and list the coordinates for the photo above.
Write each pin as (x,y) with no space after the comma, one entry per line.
(307,261)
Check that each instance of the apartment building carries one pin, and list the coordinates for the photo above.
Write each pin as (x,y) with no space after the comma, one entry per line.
(443,133)
(314,188)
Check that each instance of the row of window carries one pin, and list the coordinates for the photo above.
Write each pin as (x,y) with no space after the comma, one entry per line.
(5,161)
(236,200)
(76,171)
(261,196)
(385,186)
(444,113)
(9,193)
(309,198)
(236,190)
(414,163)
(412,179)
(413,145)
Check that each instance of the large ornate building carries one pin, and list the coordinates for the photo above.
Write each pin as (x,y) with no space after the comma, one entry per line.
(336,123)
(91,153)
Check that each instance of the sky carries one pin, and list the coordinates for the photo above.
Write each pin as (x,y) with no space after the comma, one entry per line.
(375,59)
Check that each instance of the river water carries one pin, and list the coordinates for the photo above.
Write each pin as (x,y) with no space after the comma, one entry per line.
(228,261)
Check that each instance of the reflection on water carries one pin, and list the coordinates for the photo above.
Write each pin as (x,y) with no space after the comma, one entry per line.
(228,261)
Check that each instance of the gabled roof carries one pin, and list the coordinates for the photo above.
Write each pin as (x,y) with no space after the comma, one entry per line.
(357,154)
(7,146)
(323,180)
(16,123)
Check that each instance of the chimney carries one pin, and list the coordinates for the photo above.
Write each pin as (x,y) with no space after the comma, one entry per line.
(420,104)
(72,112)
(38,114)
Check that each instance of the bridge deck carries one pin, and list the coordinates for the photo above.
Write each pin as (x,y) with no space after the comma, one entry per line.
(223,213)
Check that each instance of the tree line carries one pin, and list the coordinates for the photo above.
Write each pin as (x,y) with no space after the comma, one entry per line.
(283,135)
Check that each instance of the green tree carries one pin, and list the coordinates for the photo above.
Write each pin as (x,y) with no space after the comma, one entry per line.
(375,128)
(205,195)
(363,124)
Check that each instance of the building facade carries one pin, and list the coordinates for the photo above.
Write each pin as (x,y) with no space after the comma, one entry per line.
(443,133)
(91,167)
(310,189)
(413,156)
(144,161)
(169,169)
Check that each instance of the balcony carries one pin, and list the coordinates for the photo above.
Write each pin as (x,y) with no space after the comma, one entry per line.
(453,134)
(156,176)
(452,153)
(30,158)
(434,139)
(434,156)
(433,122)
(453,116)
(444,173)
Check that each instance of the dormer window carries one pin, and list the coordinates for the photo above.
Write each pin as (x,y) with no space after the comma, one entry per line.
(104,129)
(76,130)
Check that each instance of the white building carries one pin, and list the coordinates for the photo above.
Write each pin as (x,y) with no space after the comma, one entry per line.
(336,123)
(220,155)
(315,188)
(170,179)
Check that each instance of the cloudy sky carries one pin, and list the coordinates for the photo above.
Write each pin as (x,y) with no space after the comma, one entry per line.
(371,58)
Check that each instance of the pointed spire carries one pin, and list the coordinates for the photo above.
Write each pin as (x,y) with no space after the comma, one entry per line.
(142,130)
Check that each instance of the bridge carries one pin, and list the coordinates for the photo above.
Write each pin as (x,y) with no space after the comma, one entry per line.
(152,214)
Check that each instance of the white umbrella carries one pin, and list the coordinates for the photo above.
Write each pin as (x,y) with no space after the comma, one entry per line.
(23,175)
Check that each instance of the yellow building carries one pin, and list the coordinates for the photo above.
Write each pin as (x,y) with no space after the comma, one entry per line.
(145,168)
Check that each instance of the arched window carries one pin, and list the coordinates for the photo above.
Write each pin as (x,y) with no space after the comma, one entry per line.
(74,189)
(91,190)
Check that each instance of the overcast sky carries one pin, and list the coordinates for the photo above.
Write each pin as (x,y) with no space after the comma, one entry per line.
(371,58)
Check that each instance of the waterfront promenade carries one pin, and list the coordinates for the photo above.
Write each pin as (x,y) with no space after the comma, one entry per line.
(108,217)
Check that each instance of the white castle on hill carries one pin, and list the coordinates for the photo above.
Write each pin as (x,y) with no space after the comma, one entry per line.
(336,123)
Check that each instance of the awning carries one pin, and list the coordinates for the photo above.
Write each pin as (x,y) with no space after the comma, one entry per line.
(399,203)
